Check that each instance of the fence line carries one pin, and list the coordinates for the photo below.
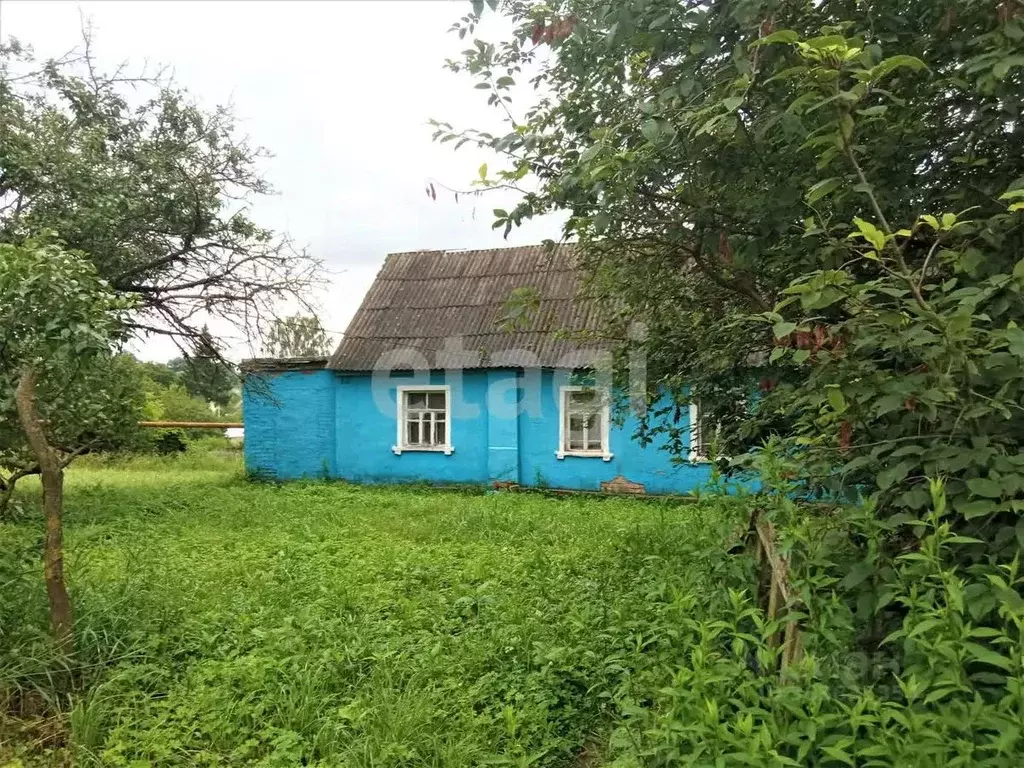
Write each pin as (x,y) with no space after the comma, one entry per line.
(192,424)
(762,539)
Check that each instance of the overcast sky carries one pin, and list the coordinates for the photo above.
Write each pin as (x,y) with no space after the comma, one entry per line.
(340,92)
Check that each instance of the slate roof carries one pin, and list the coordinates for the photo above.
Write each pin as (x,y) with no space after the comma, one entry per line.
(422,298)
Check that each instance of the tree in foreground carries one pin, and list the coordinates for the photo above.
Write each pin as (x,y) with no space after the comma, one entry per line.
(59,383)
(152,188)
(816,200)
(297,336)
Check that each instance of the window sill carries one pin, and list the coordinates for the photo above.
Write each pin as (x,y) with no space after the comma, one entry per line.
(585,455)
(398,450)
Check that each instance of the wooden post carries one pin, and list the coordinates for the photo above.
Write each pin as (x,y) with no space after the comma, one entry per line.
(779,599)
(773,608)
(792,647)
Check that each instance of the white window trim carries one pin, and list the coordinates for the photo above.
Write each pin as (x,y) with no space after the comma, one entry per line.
(400,447)
(694,455)
(605,452)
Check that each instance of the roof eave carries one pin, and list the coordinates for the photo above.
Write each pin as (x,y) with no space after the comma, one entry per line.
(283,364)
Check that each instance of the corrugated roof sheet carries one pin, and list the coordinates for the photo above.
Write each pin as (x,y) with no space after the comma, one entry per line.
(441,309)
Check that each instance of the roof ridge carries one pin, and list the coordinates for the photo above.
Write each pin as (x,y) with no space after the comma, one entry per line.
(431,278)
(447,251)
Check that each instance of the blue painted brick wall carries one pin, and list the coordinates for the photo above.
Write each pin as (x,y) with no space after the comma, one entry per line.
(367,429)
(289,424)
(347,426)
(649,465)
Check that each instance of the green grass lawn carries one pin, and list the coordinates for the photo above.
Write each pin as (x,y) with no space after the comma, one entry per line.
(227,623)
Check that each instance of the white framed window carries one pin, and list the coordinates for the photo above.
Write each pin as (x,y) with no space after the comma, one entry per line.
(699,431)
(424,419)
(583,423)
(698,451)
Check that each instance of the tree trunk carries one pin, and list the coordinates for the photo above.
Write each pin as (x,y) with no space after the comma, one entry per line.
(52,476)
(6,492)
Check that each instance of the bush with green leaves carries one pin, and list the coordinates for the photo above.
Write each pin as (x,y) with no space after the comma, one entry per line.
(817,210)
(59,319)
(912,359)
(719,158)
(937,684)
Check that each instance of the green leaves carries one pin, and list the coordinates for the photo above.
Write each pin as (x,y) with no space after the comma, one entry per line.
(869,232)
(821,189)
(732,103)
(656,130)
(651,130)
(295,335)
(55,304)
(787,36)
(153,189)
(836,399)
(875,343)
(893,63)
(986,656)
(981,486)
(63,321)
(1016,196)
(783,328)
(1003,66)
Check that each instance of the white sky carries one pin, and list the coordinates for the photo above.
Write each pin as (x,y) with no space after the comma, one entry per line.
(341,93)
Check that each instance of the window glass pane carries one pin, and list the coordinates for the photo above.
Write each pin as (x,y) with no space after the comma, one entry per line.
(436,400)
(584,399)
(594,432)
(416,399)
(575,437)
(439,433)
(412,432)
(584,402)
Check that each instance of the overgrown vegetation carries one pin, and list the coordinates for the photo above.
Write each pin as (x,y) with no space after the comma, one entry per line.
(821,201)
(718,159)
(59,392)
(122,213)
(224,622)
(193,389)
(221,622)
(815,208)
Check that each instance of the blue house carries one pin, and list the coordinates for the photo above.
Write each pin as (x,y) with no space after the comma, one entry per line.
(427,387)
